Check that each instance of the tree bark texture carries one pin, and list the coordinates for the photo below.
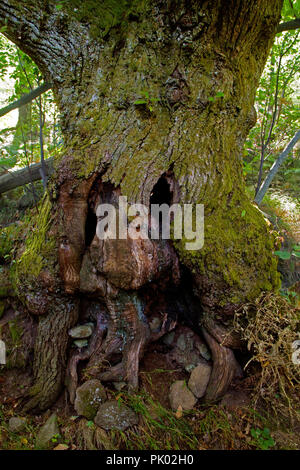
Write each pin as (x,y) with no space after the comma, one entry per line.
(196,64)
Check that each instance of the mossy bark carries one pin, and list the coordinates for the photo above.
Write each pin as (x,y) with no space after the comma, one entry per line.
(196,65)
(183,57)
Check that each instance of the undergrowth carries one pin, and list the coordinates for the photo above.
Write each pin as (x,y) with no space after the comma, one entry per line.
(271,328)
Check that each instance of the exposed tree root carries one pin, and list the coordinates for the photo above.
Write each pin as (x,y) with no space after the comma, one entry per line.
(225,368)
(50,353)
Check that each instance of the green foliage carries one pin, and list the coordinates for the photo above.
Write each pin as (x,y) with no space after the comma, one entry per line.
(290,10)
(288,254)
(15,332)
(8,240)
(160,425)
(102,16)
(21,145)
(277,106)
(147,100)
(38,248)
(262,438)
(220,94)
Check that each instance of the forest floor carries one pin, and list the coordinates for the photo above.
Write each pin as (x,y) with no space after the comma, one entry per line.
(234,424)
(286,208)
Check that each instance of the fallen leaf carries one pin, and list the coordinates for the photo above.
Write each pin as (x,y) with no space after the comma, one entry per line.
(178,413)
(61,447)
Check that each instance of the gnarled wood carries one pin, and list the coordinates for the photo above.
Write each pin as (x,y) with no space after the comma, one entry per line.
(50,353)
(225,336)
(225,368)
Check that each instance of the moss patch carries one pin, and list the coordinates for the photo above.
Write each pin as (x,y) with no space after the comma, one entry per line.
(40,248)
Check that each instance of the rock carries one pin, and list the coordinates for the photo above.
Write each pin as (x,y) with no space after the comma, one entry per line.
(180,395)
(155,324)
(81,331)
(184,342)
(204,351)
(112,415)
(119,385)
(199,379)
(81,343)
(16,424)
(187,348)
(47,432)
(169,338)
(61,447)
(236,399)
(89,397)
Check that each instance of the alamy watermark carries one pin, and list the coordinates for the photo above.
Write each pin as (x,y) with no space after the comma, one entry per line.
(162,221)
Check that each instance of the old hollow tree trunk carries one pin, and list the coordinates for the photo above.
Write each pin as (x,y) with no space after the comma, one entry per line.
(196,65)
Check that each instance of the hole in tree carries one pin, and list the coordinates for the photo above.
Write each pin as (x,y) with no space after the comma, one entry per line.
(161,193)
(90,227)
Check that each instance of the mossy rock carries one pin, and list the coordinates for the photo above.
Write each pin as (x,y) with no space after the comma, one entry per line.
(89,397)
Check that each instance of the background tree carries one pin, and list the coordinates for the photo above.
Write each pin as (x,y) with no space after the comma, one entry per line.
(34,137)
(277,110)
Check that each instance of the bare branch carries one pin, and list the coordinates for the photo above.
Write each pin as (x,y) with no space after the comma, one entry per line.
(27,175)
(25,99)
(289,25)
(275,167)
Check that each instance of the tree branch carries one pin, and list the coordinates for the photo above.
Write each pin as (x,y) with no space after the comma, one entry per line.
(26,98)
(35,26)
(288,25)
(20,22)
(275,167)
(27,175)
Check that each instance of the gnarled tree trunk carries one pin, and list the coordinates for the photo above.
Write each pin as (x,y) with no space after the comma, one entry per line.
(196,65)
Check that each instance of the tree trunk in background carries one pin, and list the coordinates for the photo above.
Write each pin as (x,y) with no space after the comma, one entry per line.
(202,61)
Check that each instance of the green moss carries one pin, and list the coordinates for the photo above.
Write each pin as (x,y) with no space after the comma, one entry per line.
(15,332)
(200,139)
(105,15)
(39,248)
(8,239)
(237,255)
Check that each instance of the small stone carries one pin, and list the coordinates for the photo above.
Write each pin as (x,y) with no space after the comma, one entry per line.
(155,324)
(81,343)
(189,367)
(89,397)
(119,385)
(16,424)
(199,379)
(81,331)
(181,342)
(180,395)
(204,351)
(61,447)
(112,415)
(169,338)
(49,430)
